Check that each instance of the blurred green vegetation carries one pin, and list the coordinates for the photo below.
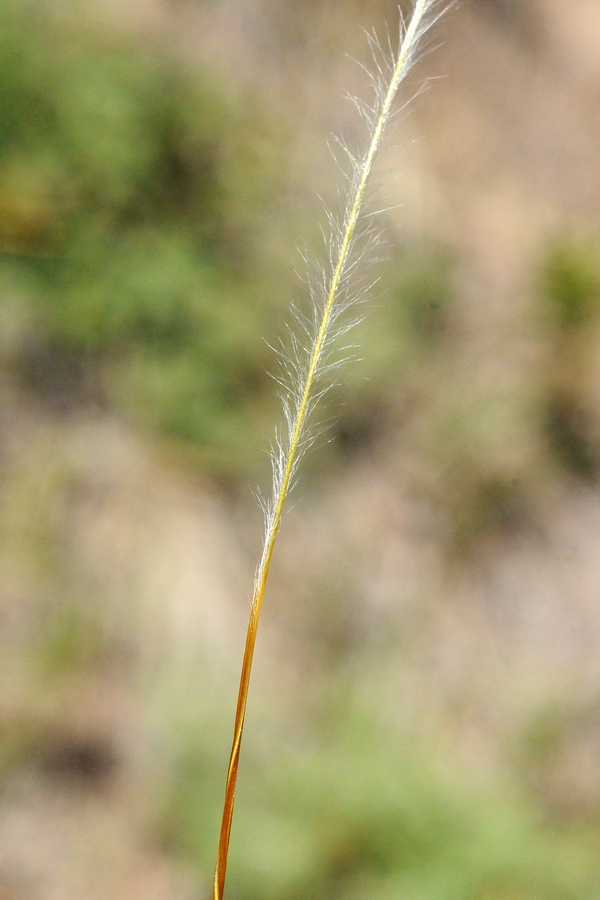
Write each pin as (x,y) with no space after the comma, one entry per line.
(571,291)
(571,278)
(133,196)
(362,811)
(128,189)
(135,282)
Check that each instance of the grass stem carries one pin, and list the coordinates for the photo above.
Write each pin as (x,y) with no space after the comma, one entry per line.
(285,466)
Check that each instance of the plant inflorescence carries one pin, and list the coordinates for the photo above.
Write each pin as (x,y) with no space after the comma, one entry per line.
(312,348)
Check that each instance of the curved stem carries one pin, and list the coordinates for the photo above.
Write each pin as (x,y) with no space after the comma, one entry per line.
(355,207)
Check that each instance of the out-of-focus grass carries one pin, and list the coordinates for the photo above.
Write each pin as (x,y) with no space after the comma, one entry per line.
(365,813)
(571,289)
(128,274)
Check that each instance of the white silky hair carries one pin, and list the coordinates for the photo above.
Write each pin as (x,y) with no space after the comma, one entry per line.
(312,347)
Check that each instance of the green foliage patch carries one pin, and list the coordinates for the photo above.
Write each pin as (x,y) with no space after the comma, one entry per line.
(127,252)
(361,814)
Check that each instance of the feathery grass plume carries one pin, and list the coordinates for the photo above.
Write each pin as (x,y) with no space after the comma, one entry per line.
(311,352)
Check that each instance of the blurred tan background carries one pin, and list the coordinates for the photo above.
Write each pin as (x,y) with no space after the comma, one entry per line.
(424,720)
